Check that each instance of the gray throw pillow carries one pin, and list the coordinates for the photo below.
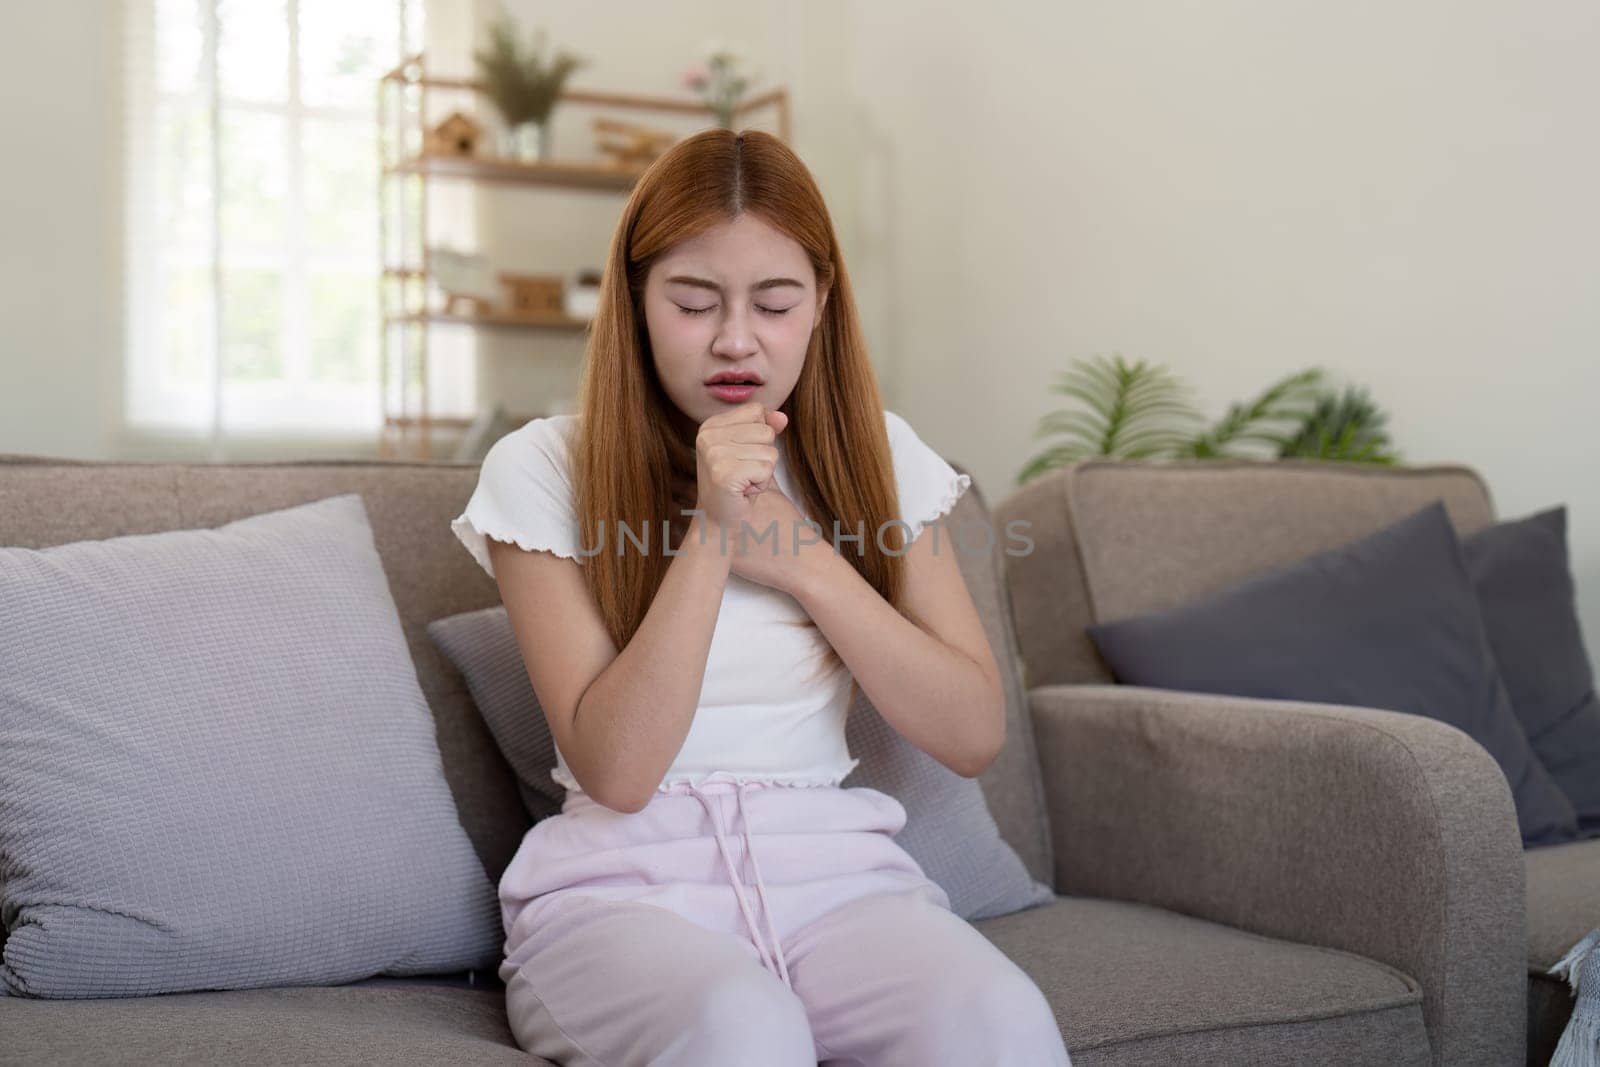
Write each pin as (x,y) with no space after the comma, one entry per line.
(483,647)
(1388,621)
(220,771)
(948,831)
(1523,578)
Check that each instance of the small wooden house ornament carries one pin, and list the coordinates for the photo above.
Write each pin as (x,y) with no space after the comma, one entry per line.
(457,135)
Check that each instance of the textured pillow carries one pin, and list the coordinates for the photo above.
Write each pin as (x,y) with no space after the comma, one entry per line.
(948,830)
(220,771)
(1388,621)
(483,647)
(1523,579)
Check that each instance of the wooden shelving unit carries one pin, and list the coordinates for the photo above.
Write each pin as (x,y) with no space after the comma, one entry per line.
(407,318)
(566,175)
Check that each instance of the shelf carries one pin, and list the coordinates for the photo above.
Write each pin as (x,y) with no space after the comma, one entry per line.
(452,422)
(498,318)
(410,101)
(514,172)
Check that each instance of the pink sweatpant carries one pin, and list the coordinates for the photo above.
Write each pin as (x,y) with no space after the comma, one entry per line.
(752,923)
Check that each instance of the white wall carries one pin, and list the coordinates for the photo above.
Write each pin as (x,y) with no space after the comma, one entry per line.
(57,230)
(1404,193)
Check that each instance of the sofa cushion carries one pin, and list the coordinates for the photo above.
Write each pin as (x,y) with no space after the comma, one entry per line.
(1131,983)
(221,772)
(1562,908)
(1523,579)
(1388,621)
(388,1021)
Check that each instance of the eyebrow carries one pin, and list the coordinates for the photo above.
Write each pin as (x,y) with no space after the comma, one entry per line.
(702,283)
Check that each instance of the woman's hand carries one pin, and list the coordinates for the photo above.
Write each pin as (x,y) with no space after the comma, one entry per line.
(734,460)
(765,551)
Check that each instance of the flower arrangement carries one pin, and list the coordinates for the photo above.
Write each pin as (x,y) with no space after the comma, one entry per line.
(718,78)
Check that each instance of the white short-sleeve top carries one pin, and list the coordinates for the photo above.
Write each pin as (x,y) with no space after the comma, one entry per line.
(776,716)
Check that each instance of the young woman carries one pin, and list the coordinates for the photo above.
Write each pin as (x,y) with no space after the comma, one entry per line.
(710,893)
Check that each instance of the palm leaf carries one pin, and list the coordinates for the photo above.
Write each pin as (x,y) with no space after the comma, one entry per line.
(1287,400)
(1126,410)
(1347,426)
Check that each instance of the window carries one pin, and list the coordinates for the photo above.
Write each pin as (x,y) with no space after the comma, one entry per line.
(251,181)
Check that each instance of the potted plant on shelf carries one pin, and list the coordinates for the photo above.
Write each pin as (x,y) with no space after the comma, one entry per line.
(524,87)
(719,80)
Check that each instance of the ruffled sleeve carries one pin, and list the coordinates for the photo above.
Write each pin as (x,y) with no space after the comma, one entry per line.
(524,494)
(929,486)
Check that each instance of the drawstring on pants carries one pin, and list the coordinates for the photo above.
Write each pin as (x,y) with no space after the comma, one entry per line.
(773,960)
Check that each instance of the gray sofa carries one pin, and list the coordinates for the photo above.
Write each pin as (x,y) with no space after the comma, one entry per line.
(1241,881)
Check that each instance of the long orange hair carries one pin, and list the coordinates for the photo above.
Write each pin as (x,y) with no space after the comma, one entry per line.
(627,452)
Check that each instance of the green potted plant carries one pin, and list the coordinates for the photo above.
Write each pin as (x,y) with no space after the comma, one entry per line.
(524,86)
(1143,411)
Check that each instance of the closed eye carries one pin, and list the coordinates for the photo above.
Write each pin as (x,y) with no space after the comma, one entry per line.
(701,311)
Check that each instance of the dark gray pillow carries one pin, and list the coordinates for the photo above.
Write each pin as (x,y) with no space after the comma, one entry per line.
(948,831)
(220,771)
(483,647)
(1389,621)
(1523,579)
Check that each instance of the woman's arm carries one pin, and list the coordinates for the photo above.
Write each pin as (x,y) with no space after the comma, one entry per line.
(937,684)
(618,718)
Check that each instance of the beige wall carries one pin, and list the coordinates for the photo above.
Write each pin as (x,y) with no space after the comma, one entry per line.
(1403,193)
(57,247)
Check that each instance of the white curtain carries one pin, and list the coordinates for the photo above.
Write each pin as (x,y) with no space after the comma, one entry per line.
(251,208)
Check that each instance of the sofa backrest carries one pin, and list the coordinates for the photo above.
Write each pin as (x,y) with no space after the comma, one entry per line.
(1115,538)
(46,502)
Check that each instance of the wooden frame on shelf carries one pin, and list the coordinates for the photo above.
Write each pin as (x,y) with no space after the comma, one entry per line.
(497,318)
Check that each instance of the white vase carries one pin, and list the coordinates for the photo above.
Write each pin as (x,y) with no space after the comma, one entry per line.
(527,142)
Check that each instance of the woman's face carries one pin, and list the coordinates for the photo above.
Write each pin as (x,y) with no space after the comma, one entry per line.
(740,299)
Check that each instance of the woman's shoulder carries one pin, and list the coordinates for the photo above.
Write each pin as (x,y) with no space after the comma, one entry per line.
(524,493)
(905,444)
(928,484)
(540,448)
(547,431)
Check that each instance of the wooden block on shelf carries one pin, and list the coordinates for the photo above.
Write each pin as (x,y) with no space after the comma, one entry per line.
(462,304)
(539,295)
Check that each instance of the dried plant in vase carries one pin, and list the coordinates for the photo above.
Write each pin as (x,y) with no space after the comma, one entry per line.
(524,87)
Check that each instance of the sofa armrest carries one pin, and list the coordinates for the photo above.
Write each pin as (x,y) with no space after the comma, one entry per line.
(1388,835)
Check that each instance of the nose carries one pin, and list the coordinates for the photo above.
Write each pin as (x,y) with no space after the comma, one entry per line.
(734,337)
